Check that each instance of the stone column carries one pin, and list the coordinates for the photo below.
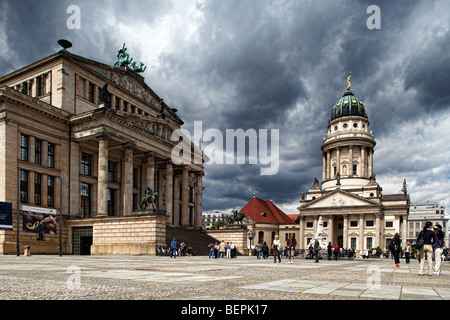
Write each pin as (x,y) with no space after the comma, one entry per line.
(328,164)
(301,244)
(350,160)
(338,160)
(370,154)
(362,169)
(324,166)
(377,228)
(361,231)
(199,202)
(150,170)
(176,202)
(169,190)
(331,229)
(185,198)
(345,234)
(404,230)
(102,184)
(127,180)
(86,89)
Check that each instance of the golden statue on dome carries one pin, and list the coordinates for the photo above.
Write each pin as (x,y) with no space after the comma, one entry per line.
(349,81)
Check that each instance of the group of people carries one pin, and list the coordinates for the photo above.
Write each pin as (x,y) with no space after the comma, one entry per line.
(220,250)
(429,244)
(180,249)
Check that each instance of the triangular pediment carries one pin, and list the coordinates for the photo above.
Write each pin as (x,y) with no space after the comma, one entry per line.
(339,198)
(125,79)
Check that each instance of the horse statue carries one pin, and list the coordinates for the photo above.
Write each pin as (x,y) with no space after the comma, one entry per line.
(150,198)
(236,217)
(123,58)
(138,68)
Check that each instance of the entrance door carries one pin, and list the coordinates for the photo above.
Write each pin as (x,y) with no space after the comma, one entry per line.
(82,240)
(85,245)
(340,241)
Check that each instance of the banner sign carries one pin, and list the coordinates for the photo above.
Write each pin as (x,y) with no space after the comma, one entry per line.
(39,220)
(6,216)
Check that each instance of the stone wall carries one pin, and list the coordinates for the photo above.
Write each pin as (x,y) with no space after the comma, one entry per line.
(133,235)
(235,234)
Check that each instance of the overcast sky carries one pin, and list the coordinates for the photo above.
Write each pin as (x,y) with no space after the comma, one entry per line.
(257,64)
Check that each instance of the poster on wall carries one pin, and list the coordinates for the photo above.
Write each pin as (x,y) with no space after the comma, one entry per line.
(39,220)
(6,216)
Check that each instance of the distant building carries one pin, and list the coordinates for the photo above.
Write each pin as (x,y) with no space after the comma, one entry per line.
(421,212)
(269,221)
(209,218)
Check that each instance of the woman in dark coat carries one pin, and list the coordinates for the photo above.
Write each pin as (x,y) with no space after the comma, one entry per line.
(395,249)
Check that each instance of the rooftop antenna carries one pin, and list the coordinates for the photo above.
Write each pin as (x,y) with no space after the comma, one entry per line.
(66,44)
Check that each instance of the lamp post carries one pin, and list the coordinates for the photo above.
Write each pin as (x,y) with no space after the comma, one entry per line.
(250,236)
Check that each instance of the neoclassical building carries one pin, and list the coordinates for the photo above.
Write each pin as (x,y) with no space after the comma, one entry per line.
(355,212)
(87,139)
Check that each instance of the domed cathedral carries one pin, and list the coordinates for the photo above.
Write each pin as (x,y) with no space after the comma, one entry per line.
(355,212)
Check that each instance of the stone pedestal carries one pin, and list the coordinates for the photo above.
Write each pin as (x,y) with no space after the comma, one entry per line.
(138,234)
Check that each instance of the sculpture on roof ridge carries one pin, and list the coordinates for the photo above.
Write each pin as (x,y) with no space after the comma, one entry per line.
(124,60)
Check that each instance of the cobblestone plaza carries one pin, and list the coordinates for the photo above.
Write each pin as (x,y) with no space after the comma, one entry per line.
(200,278)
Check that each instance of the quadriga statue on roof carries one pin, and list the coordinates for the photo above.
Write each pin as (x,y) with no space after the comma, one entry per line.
(123,58)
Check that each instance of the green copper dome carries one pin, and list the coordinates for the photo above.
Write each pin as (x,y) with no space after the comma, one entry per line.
(348,105)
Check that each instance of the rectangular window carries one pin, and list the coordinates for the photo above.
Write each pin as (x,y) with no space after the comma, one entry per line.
(369,223)
(125,106)
(355,169)
(369,243)
(353,242)
(354,223)
(309,224)
(135,177)
(85,200)
(117,103)
(111,171)
(86,164)
(91,93)
(111,201)
(50,191)
(38,151)
(389,224)
(37,189)
(132,108)
(99,94)
(23,147)
(23,186)
(40,85)
(51,155)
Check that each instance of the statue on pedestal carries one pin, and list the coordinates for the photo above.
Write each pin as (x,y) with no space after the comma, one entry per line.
(150,198)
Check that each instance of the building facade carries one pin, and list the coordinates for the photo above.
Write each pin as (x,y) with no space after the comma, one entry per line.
(88,139)
(355,212)
(420,213)
(211,217)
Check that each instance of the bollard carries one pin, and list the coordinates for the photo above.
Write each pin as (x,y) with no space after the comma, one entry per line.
(27,251)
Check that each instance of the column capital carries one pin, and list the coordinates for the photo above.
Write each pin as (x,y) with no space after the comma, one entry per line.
(103,136)
(128,146)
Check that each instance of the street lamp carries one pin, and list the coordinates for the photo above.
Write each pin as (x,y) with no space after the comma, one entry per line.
(250,236)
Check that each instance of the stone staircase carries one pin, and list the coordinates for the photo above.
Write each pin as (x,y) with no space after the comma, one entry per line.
(196,239)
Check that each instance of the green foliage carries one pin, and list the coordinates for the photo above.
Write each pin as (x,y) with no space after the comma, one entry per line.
(217,224)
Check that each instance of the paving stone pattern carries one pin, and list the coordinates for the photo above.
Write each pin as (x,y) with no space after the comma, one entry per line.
(201,278)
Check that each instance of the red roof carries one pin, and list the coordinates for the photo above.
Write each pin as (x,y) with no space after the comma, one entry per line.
(293,216)
(264,211)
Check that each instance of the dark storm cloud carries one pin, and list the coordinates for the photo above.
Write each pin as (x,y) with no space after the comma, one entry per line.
(265,65)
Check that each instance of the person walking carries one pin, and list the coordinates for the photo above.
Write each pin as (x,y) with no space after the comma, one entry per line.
(258,247)
(276,246)
(174,248)
(290,246)
(394,246)
(336,252)
(265,250)
(211,250)
(316,250)
(438,247)
(408,250)
(222,249)
(329,251)
(429,237)
(228,250)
